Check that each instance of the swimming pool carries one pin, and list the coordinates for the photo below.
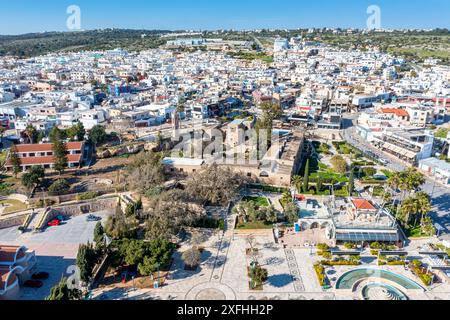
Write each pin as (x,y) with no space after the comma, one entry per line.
(348,280)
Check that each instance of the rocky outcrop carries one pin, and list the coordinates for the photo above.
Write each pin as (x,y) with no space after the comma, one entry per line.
(120,151)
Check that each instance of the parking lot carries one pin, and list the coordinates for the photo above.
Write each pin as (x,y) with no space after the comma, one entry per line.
(56,249)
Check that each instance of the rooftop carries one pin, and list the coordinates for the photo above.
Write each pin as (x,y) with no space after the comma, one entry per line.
(436,163)
(363,204)
(182,162)
(43,147)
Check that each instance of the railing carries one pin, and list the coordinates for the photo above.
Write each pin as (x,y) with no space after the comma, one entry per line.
(43,220)
(27,222)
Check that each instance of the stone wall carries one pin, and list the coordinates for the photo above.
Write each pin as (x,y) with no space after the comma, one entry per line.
(84,207)
(16,220)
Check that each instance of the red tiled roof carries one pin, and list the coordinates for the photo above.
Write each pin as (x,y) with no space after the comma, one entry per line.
(398,112)
(362,204)
(46,147)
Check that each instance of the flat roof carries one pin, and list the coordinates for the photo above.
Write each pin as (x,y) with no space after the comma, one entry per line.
(182,161)
(436,163)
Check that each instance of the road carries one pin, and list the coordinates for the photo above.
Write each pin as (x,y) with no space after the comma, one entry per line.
(440,194)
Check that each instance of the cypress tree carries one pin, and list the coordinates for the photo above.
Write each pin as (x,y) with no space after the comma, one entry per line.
(306,178)
(351,183)
(60,154)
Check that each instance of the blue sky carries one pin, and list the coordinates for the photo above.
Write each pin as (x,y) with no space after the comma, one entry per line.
(21,16)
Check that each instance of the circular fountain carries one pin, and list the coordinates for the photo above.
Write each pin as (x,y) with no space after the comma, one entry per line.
(381,291)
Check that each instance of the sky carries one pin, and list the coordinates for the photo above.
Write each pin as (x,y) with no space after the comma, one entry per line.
(23,16)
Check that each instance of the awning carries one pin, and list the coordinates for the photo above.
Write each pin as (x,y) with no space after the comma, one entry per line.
(367,236)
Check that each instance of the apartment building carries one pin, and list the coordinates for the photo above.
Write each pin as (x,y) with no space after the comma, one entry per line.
(410,145)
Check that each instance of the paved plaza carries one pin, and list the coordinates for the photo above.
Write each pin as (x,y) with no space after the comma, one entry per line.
(56,249)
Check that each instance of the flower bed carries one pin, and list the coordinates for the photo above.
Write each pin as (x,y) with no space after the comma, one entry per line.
(340,263)
(321,275)
(419,270)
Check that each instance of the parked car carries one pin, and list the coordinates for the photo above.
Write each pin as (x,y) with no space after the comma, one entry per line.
(54,223)
(33,284)
(92,218)
(40,276)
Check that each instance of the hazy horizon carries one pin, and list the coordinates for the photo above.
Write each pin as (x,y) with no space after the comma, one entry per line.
(51,15)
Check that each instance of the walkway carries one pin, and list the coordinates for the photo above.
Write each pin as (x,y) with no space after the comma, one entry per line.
(294,270)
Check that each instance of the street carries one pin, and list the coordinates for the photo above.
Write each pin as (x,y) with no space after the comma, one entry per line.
(440,195)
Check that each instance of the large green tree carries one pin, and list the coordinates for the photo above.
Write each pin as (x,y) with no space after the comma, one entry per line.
(215,185)
(86,260)
(60,155)
(15,160)
(76,132)
(97,135)
(33,177)
(31,133)
(56,135)
(62,292)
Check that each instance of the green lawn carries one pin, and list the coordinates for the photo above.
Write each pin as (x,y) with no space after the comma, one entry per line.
(414,232)
(442,133)
(12,206)
(254,225)
(260,201)
(252,56)
(328,176)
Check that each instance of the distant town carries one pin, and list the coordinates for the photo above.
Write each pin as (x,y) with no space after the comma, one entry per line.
(229,165)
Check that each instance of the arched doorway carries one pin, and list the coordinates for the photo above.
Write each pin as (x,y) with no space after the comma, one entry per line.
(315,225)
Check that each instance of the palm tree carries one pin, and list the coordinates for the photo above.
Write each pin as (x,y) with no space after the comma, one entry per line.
(414,179)
(286,198)
(424,205)
(394,182)
(297,183)
(419,205)
(408,208)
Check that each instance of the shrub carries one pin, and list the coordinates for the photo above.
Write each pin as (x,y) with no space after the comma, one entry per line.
(327,255)
(59,187)
(323,247)
(87,196)
(321,276)
(45,203)
(340,262)
(369,171)
(349,245)
(375,245)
